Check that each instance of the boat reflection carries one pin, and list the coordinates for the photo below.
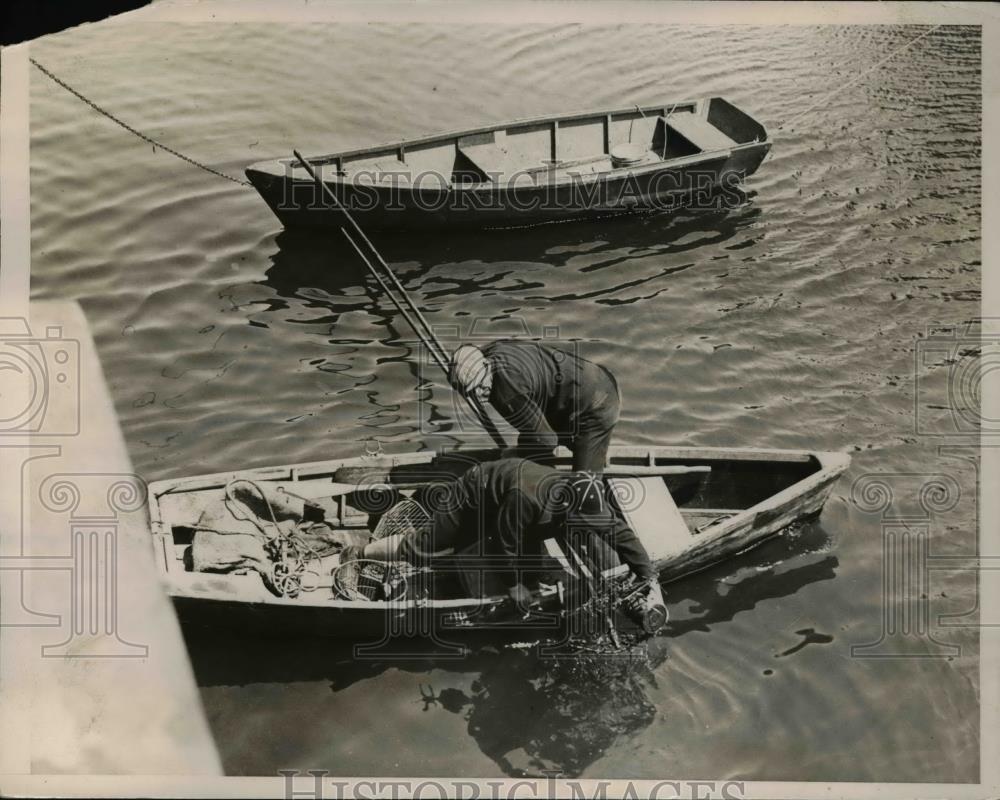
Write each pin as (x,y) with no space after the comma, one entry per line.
(323,260)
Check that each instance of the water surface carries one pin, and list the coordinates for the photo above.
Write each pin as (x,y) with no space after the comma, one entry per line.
(790,320)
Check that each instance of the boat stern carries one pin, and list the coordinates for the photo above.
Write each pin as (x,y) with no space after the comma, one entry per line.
(832,466)
(734,123)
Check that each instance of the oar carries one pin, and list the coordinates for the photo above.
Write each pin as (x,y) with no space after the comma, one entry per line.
(624,471)
(437,355)
(420,327)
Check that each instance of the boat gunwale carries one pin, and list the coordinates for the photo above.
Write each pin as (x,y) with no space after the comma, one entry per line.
(521,122)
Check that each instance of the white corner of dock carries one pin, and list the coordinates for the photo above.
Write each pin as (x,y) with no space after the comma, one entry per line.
(95,675)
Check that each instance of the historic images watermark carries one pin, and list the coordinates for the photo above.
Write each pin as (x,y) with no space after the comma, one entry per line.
(40,410)
(526,190)
(907,561)
(950,366)
(316,784)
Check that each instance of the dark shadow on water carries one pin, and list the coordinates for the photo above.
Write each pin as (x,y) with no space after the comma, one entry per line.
(324,259)
(778,568)
(529,714)
(316,277)
(314,260)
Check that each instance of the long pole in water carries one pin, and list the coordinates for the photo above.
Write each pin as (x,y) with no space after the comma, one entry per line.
(430,339)
(418,322)
(477,409)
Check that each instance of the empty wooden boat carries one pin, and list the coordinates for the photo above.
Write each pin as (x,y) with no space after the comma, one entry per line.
(721,503)
(529,171)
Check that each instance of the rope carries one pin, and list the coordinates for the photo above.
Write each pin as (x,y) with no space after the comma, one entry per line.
(290,554)
(133,131)
(868,71)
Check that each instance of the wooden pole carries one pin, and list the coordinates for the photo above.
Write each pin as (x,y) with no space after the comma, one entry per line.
(399,306)
(430,336)
(423,329)
(477,409)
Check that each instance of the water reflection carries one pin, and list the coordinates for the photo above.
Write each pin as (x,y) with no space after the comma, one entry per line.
(530,715)
(324,260)
(779,568)
(326,314)
(534,716)
(318,269)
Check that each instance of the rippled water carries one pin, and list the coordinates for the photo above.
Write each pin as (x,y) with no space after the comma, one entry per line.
(789,321)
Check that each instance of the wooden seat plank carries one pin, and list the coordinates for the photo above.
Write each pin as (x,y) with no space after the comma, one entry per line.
(652,513)
(699,132)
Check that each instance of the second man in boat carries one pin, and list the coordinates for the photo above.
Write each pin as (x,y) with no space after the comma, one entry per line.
(500,512)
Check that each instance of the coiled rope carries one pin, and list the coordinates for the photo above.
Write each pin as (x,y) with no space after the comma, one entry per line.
(291,556)
(121,123)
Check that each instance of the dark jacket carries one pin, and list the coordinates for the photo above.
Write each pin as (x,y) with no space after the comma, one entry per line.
(501,511)
(543,391)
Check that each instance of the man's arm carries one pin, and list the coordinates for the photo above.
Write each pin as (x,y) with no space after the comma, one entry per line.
(535,437)
(631,551)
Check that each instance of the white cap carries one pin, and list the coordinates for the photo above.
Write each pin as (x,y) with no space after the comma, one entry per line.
(469,369)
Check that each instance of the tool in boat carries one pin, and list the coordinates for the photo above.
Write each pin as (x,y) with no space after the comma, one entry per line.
(421,327)
(407,517)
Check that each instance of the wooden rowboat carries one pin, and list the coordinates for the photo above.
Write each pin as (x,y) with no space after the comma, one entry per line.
(717,503)
(527,172)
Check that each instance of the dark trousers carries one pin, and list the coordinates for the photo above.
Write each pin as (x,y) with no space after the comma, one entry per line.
(594,426)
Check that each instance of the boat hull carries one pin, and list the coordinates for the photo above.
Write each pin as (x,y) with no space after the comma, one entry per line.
(709,183)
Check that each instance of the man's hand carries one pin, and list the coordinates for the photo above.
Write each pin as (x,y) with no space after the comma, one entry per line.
(647,608)
(521,596)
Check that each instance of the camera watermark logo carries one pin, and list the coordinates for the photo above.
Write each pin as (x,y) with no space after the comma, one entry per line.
(39,381)
(951,367)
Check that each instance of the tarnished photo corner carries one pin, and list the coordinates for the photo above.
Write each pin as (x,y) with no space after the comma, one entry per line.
(491,447)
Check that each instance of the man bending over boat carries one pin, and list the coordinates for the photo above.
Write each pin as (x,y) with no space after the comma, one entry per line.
(549,395)
(505,509)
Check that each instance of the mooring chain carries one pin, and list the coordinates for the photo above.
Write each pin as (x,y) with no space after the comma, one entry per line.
(132,130)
